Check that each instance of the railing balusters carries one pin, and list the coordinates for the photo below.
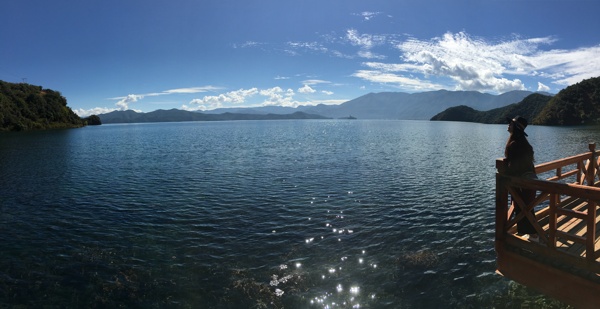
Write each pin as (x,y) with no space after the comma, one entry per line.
(552,222)
(571,232)
(579,175)
(590,250)
(587,167)
(591,167)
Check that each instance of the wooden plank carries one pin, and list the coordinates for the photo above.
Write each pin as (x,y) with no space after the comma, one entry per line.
(571,237)
(567,224)
(570,289)
(572,213)
(572,259)
(571,202)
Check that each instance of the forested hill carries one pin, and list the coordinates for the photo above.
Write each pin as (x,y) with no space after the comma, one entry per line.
(529,108)
(574,105)
(28,107)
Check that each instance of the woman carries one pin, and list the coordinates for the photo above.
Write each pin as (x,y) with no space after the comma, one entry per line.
(519,158)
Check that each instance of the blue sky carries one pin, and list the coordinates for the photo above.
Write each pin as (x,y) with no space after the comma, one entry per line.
(197,55)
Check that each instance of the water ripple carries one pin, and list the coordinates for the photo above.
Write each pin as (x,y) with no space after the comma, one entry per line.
(291,214)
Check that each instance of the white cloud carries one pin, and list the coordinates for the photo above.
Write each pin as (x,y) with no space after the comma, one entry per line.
(247,44)
(310,46)
(365,42)
(456,61)
(306,89)
(94,111)
(275,96)
(278,97)
(188,90)
(124,102)
(370,55)
(568,67)
(368,15)
(409,83)
(339,54)
(191,90)
(315,82)
(361,40)
(471,63)
(542,87)
(236,97)
(326,92)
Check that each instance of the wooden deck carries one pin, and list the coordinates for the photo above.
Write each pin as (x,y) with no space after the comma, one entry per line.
(565,262)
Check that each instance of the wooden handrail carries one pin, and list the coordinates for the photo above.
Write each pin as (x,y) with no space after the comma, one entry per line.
(558,165)
(585,172)
(552,165)
(571,189)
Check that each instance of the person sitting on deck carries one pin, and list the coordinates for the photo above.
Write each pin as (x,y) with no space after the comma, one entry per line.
(519,159)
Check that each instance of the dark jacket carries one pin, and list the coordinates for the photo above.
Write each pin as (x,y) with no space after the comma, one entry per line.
(519,156)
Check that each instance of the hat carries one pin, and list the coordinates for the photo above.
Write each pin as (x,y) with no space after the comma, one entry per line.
(520,123)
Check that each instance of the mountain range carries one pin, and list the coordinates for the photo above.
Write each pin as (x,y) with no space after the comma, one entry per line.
(384,105)
(176,115)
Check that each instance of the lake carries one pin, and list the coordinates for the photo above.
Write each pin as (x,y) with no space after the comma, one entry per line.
(260,214)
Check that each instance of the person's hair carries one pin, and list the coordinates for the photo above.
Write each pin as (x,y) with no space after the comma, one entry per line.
(520,134)
(517,132)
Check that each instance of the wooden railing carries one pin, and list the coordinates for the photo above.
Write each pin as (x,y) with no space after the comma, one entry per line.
(565,210)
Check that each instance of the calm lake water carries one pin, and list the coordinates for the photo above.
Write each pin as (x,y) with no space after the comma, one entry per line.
(259,214)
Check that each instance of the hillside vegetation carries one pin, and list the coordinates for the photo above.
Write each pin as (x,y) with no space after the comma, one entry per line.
(28,107)
(529,108)
(575,105)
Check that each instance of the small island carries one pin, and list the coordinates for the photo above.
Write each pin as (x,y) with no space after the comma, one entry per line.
(93,120)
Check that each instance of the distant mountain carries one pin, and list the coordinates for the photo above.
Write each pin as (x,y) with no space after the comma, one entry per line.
(395,105)
(529,108)
(384,105)
(175,115)
(29,107)
(416,106)
(574,105)
(264,110)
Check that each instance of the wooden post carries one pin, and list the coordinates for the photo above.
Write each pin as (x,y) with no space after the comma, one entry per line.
(591,165)
(590,251)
